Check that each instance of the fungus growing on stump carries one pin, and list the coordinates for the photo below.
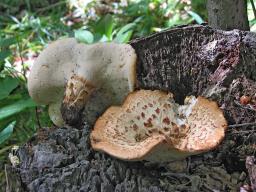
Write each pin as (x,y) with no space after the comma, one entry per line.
(151,126)
(67,73)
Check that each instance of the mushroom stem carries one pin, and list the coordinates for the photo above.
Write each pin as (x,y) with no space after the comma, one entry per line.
(77,92)
(55,114)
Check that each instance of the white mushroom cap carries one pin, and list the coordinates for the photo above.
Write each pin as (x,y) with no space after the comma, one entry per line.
(82,69)
(46,82)
(47,79)
(150,126)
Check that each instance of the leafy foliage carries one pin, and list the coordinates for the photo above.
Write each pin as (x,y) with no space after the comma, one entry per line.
(7,85)
(6,132)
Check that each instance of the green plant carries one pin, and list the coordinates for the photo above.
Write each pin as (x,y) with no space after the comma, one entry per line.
(20,41)
(138,18)
(105,30)
(22,37)
(13,97)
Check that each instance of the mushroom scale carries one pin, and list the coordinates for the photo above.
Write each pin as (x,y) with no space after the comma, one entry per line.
(151,126)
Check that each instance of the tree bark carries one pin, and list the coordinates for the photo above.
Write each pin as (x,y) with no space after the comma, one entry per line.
(251,167)
(198,61)
(228,14)
(13,180)
(185,60)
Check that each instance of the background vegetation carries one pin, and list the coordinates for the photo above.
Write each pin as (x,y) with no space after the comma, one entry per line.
(26,27)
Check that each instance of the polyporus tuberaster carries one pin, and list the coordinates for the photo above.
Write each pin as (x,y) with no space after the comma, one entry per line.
(93,76)
(151,126)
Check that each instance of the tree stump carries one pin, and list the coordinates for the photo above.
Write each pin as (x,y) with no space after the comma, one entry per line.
(186,60)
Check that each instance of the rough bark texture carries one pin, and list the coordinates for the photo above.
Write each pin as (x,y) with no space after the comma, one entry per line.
(185,60)
(200,61)
(14,182)
(251,167)
(228,14)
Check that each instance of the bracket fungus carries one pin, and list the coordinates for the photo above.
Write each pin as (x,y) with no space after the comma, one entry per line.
(151,126)
(67,73)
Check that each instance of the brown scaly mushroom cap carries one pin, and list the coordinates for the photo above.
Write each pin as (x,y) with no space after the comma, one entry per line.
(151,126)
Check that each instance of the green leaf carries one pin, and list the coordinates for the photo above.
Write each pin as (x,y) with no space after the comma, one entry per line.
(97,37)
(6,133)
(252,22)
(14,97)
(84,36)
(196,17)
(125,33)
(139,19)
(173,20)
(4,54)
(7,42)
(15,108)
(105,26)
(109,25)
(125,37)
(7,84)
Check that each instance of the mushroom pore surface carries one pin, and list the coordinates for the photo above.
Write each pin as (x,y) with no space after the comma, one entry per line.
(151,126)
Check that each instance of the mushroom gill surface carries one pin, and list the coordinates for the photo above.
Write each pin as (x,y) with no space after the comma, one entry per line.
(151,126)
